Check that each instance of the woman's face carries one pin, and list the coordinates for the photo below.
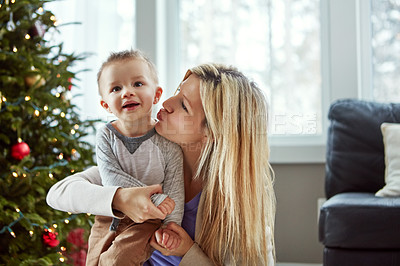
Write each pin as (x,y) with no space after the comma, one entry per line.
(182,118)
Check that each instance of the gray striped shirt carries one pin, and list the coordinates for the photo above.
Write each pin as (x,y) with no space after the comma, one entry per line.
(142,161)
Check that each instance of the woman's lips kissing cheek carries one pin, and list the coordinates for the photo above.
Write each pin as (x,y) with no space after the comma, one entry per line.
(159,115)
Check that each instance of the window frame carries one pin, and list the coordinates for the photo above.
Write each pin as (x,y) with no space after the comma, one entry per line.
(345,63)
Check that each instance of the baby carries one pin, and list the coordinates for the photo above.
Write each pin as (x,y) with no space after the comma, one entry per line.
(131,153)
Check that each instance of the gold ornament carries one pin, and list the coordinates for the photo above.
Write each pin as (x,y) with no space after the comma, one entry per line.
(34,79)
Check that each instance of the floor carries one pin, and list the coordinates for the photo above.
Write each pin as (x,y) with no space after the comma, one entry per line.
(296,264)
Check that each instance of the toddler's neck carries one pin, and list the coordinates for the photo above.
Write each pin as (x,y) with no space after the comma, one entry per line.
(133,128)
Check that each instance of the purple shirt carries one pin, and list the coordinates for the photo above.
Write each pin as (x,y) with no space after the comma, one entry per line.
(189,224)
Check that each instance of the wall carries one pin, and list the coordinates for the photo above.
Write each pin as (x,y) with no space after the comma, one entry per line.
(297,188)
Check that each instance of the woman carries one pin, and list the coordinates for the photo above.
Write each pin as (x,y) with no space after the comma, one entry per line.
(219,118)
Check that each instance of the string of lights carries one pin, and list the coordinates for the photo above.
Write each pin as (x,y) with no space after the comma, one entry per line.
(8,228)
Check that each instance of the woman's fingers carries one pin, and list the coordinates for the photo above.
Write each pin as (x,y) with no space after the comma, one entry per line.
(170,240)
(180,241)
(151,209)
(176,228)
(135,202)
(163,209)
(165,239)
(154,189)
(173,243)
(158,236)
(154,243)
(154,212)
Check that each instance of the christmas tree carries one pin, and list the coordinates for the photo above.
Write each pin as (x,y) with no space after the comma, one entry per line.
(42,139)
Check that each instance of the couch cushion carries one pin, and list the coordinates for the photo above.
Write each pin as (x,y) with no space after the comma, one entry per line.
(360,221)
(355,257)
(355,154)
(391,141)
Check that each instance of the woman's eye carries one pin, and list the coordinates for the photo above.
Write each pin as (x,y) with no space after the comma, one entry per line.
(184,107)
(177,91)
(138,84)
(115,89)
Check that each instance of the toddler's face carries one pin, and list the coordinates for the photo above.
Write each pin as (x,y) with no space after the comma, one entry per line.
(128,90)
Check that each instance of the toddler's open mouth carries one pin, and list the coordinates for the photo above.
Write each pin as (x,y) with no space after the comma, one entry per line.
(130,105)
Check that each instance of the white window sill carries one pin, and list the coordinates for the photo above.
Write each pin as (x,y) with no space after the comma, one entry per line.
(297,154)
(297,150)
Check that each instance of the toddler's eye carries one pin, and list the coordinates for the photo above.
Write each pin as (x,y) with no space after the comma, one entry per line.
(116,88)
(138,84)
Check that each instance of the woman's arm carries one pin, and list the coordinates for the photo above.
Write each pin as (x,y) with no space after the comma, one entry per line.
(83,193)
(195,255)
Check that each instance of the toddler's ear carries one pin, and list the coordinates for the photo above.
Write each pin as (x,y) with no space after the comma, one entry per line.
(157,95)
(105,106)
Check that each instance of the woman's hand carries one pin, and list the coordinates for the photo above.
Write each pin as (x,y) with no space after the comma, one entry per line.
(167,238)
(136,204)
(184,246)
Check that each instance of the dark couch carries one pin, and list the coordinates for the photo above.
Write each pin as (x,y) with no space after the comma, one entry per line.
(356,227)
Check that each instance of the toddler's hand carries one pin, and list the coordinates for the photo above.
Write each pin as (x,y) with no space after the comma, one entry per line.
(167,238)
(167,206)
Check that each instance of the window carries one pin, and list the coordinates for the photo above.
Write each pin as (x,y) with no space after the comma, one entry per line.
(304,53)
(101,28)
(337,63)
(276,43)
(385,44)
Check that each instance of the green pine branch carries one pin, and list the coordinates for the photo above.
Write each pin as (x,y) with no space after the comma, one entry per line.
(35,75)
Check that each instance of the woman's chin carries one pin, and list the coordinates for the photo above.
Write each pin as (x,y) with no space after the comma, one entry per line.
(157,127)
(162,132)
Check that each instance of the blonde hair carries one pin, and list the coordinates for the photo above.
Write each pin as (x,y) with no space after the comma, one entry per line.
(128,55)
(239,210)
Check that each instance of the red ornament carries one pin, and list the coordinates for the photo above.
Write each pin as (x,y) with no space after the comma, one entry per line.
(78,257)
(77,238)
(70,84)
(37,29)
(50,239)
(20,150)
(79,247)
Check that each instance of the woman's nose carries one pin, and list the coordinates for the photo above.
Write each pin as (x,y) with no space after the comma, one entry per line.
(168,105)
